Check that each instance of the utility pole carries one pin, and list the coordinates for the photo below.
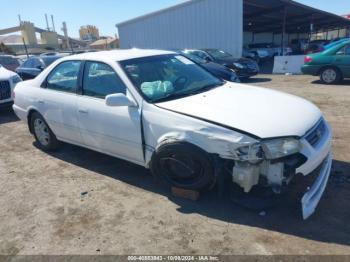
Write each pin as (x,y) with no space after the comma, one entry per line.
(284,30)
(47,23)
(53,24)
(65,32)
(25,47)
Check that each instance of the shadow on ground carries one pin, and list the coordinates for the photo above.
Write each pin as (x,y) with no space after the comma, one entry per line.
(7,116)
(256,80)
(342,83)
(329,224)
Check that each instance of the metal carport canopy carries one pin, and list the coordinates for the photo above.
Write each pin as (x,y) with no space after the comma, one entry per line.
(269,16)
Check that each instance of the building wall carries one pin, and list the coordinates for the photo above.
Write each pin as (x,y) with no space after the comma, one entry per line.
(89,32)
(195,24)
(49,39)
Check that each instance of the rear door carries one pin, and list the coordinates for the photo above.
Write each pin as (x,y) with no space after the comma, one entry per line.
(111,130)
(58,101)
(342,60)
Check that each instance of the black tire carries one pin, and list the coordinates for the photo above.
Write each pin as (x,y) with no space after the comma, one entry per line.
(330,76)
(184,166)
(47,144)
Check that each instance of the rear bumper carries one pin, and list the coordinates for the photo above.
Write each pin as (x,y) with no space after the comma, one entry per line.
(310,70)
(20,113)
(246,73)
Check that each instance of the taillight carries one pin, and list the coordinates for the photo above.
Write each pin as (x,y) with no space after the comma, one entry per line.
(307,59)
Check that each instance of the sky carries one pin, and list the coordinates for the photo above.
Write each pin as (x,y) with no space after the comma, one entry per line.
(106,13)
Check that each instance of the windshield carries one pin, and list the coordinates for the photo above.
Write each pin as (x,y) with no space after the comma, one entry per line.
(218,54)
(167,77)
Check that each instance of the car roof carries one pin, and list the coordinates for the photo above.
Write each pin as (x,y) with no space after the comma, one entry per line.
(118,55)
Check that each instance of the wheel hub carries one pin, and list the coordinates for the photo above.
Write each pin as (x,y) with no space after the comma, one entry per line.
(41,131)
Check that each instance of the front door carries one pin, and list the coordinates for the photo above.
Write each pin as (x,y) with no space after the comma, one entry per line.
(111,130)
(342,60)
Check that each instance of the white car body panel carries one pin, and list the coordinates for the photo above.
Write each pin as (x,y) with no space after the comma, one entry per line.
(219,121)
(258,111)
(116,130)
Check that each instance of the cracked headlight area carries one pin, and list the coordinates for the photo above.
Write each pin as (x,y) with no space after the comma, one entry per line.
(251,153)
(281,147)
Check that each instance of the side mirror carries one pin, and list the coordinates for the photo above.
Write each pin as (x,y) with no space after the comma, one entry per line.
(118,100)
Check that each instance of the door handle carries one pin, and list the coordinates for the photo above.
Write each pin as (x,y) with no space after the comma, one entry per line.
(41,102)
(83,111)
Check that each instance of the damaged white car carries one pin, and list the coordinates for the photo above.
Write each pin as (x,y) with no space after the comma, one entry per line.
(160,110)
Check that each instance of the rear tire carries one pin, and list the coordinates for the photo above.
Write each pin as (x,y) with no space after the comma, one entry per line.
(184,166)
(330,75)
(44,137)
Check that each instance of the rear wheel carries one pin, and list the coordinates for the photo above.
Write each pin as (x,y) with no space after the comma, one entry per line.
(45,138)
(330,75)
(183,165)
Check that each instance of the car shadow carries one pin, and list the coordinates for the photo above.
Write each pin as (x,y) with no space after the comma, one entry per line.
(342,83)
(7,116)
(256,80)
(329,224)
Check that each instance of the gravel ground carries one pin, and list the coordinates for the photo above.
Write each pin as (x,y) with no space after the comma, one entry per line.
(77,201)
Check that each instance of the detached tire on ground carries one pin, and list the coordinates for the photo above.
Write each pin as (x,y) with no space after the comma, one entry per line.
(184,166)
(45,138)
(330,75)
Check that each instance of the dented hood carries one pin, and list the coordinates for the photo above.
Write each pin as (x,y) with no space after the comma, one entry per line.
(258,111)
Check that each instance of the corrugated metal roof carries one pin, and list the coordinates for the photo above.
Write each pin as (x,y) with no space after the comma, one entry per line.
(171,8)
(261,11)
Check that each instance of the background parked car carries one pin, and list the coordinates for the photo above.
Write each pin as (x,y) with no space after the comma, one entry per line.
(243,67)
(270,48)
(33,66)
(8,81)
(331,65)
(316,46)
(253,55)
(9,62)
(299,46)
(335,42)
(218,70)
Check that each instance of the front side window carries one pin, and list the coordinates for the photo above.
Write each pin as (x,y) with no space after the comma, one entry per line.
(64,77)
(167,77)
(101,80)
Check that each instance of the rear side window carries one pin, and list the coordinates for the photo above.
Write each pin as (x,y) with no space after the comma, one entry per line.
(64,77)
(101,80)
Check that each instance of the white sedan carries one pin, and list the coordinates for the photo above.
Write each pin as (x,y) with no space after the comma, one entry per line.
(160,110)
(8,81)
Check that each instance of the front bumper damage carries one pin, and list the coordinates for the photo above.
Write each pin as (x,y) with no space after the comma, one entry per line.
(306,174)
